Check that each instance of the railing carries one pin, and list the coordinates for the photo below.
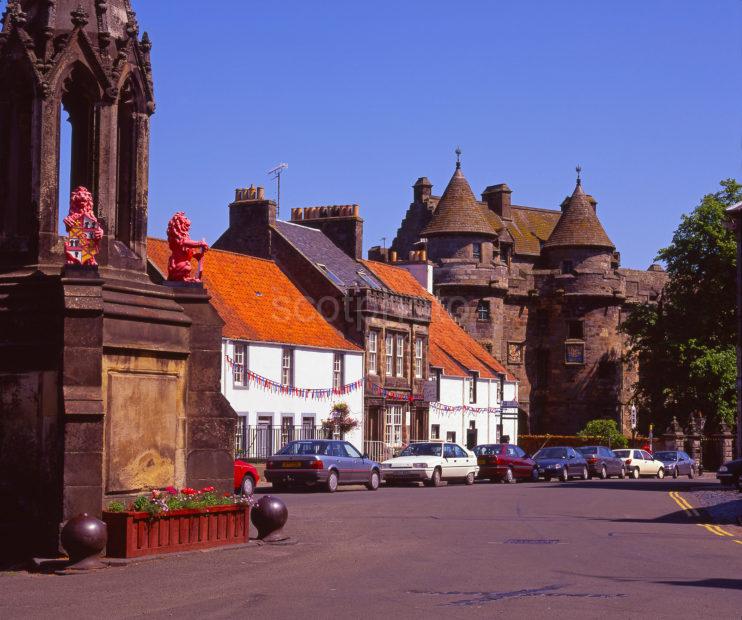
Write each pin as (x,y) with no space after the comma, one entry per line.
(260,442)
(378,450)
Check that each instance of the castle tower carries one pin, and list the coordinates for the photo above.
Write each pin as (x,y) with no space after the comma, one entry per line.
(80,62)
(109,381)
(578,347)
(468,276)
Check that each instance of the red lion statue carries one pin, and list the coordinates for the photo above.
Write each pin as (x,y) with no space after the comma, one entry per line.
(183,249)
(83,229)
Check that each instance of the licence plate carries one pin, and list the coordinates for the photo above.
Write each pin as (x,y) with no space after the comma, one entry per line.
(481,462)
(290,464)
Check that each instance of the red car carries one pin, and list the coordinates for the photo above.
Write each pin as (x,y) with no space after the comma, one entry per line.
(504,461)
(245,477)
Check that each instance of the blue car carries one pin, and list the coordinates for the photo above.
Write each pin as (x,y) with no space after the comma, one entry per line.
(562,462)
(327,463)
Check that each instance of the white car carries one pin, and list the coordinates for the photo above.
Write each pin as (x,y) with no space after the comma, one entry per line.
(641,463)
(431,462)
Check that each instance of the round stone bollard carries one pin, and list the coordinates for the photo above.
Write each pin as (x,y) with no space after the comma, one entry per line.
(269,517)
(84,539)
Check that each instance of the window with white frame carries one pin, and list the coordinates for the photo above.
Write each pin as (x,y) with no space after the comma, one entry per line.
(238,365)
(472,389)
(400,355)
(287,366)
(435,431)
(389,354)
(337,371)
(240,436)
(419,358)
(393,426)
(373,350)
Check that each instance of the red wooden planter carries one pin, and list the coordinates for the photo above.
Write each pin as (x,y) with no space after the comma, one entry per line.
(134,534)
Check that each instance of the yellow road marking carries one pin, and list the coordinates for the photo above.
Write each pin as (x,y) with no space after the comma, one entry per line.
(713,530)
(739,542)
(681,501)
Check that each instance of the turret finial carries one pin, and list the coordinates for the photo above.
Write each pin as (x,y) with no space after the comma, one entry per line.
(458,157)
(578,169)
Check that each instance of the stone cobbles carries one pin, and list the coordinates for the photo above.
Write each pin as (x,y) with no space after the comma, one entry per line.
(724,504)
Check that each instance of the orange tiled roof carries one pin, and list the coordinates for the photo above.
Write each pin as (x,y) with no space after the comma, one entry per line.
(257,302)
(451,348)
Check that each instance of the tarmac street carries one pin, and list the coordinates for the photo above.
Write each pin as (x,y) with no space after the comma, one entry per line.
(610,549)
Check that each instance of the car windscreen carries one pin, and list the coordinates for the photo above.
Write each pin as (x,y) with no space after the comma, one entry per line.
(488,450)
(304,448)
(422,449)
(666,456)
(588,450)
(551,453)
(622,454)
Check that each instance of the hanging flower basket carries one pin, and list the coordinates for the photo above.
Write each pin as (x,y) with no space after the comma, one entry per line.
(210,522)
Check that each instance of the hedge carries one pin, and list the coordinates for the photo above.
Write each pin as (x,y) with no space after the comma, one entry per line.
(532,443)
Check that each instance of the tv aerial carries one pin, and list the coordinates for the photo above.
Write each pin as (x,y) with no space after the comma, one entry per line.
(276,174)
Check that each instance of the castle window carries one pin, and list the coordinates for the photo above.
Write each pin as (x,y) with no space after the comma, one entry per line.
(476,251)
(574,353)
(483,310)
(575,330)
(568,266)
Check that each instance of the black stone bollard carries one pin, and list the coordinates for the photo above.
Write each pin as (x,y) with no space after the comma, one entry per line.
(84,539)
(269,517)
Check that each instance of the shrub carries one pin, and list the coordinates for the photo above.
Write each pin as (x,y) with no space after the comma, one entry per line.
(607,431)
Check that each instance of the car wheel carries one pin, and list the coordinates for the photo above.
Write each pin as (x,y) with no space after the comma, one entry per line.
(622,475)
(691,473)
(585,473)
(332,482)
(661,473)
(374,481)
(534,475)
(603,473)
(248,485)
(565,475)
(635,473)
(469,478)
(435,479)
(675,473)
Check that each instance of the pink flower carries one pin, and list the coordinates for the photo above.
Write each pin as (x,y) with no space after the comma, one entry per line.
(156,494)
(172,490)
(208,490)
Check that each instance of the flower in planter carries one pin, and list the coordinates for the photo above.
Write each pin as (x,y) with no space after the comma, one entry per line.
(208,490)
(188,491)
(171,490)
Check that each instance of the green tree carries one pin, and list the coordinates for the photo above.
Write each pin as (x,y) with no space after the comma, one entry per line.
(608,432)
(685,344)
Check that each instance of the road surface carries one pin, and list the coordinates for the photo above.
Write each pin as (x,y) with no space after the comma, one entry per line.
(610,549)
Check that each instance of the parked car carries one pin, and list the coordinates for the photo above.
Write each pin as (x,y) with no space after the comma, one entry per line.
(730,472)
(245,477)
(504,461)
(561,462)
(430,463)
(641,463)
(602,462)
(324,462)
(677,463)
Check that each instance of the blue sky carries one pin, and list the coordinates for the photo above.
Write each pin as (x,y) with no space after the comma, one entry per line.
(361,98)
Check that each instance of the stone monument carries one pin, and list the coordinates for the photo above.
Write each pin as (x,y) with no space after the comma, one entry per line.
(109,382)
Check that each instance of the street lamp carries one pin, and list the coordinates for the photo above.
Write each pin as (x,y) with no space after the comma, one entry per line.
(633,425)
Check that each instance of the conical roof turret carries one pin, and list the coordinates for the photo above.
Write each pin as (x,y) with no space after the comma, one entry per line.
(458,211)
(579,226)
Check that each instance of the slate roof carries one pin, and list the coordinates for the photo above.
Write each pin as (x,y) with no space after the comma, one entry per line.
(451,348)
(458,211)
(318,248)
(579,225)
(249,293)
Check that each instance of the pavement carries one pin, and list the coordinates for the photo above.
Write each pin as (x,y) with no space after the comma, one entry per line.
(583,549)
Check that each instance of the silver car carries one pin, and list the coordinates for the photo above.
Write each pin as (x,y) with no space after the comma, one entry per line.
(677,463)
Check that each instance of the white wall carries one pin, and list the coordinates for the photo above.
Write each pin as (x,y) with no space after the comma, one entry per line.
(454,391)
(312,369)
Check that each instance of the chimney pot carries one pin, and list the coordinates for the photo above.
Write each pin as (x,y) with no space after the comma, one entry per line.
(261,193)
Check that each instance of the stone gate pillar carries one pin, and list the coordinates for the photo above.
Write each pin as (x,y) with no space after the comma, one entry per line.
(724,439)
(674,436)
(693,436)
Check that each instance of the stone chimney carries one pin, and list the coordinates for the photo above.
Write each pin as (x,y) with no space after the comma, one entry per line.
(422,189)
(497,198)
(251,219)
(341,223)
